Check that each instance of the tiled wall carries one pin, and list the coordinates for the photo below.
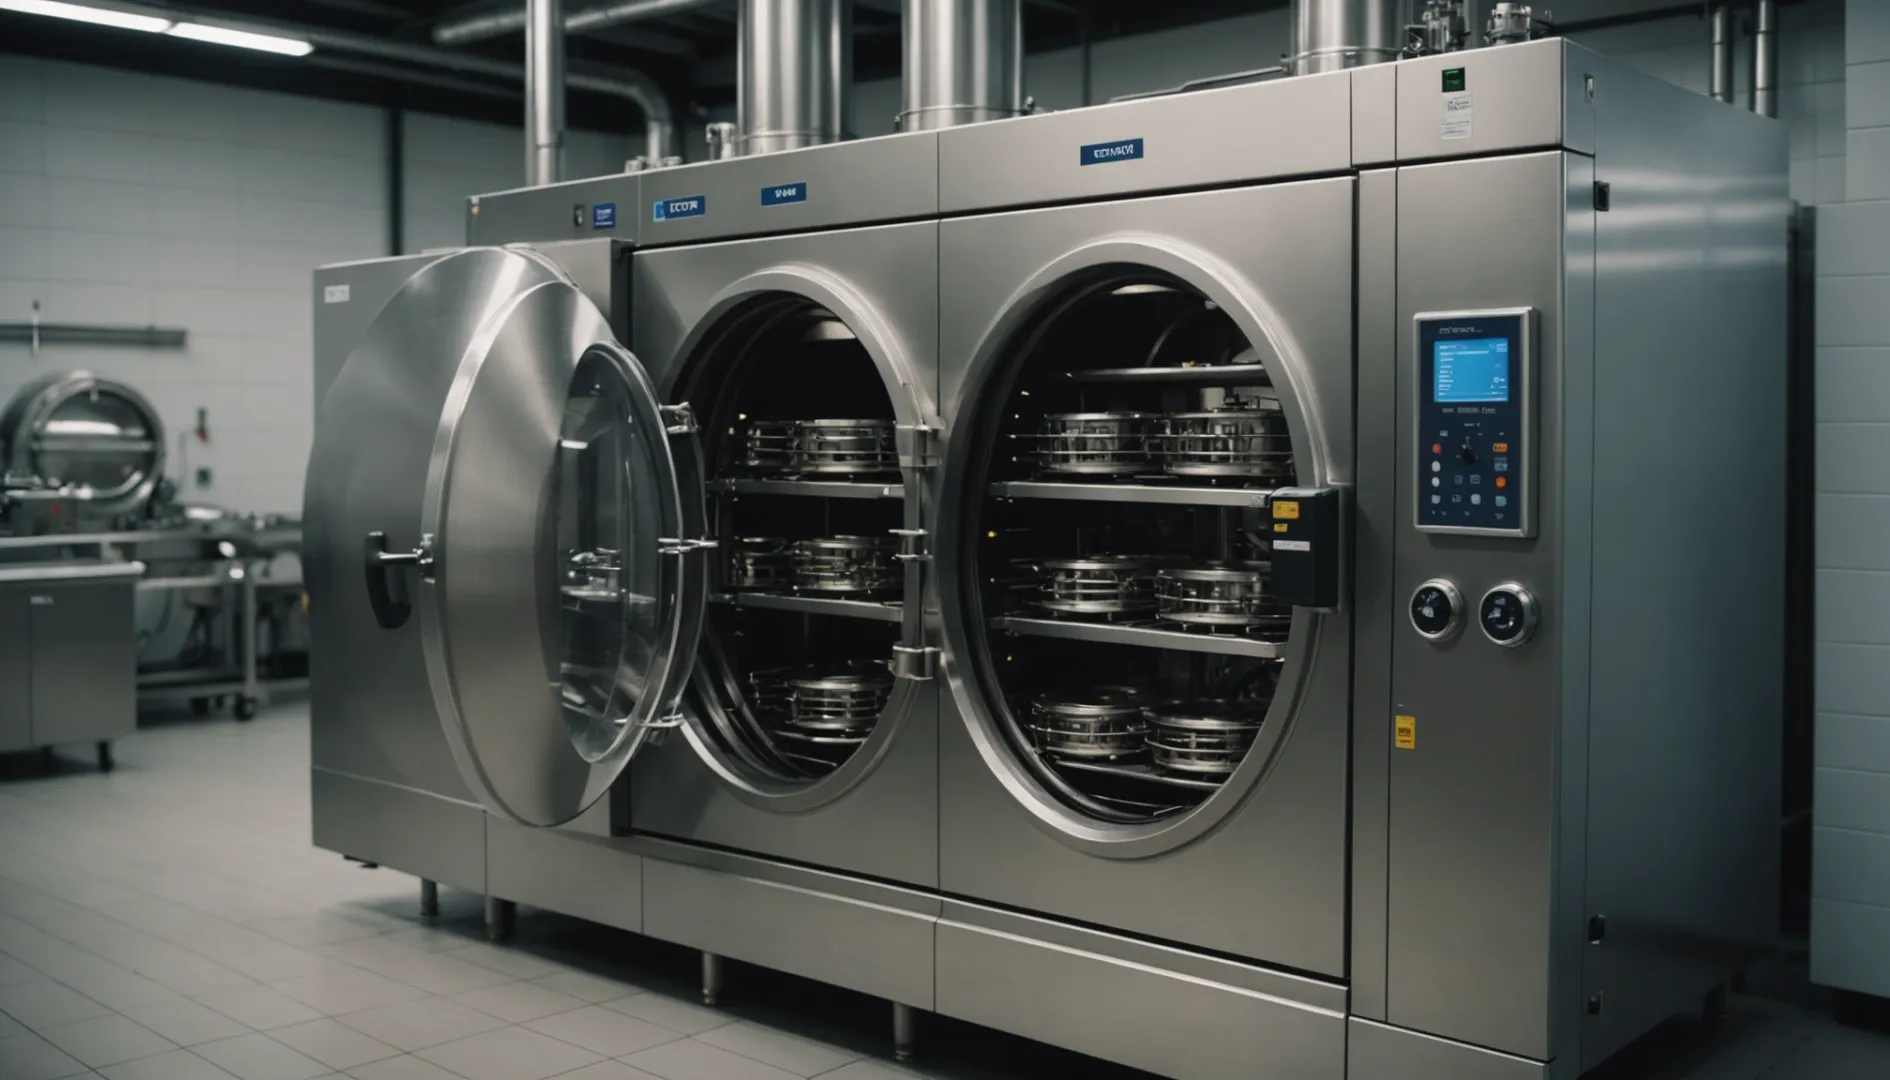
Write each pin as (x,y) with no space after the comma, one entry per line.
(1850,927)
(127,198)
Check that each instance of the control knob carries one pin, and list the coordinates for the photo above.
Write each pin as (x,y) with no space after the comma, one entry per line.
(1437,610)
(1508,615)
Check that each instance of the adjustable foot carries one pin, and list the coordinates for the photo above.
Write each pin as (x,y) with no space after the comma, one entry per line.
(905,1023)
(429,900)
(500,917)
(711,978)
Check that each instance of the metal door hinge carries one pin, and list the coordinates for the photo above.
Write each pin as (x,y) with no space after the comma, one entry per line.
(664,723)
(1604,196)
(1595,1003)
(1597,929)
(669,545)
(919,665)
(918,446)
(679,419)
(911,545)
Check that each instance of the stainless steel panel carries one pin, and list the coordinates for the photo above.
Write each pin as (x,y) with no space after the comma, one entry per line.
(793,73)
(875,939)
(85,660)
(1522,97)
(1289,127)
(1374,115)
(1143,1005)
(1377,1052)
(890,178)
(1375,605)
(1473,808)
(1690,351)
(346,298)
(563,870)
(16,671)
(881,819)
(415,832)
(1268,880)
(567,211)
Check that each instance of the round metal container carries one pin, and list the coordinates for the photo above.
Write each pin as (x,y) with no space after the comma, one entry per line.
(846,448)
(99,439)
(845,704)
(1216,596)
(767,447)
(848,565)
(1204,736)
(758,562)
(1240,440)
(1100,586)
(592,577)
(1093,725)
(1095,444)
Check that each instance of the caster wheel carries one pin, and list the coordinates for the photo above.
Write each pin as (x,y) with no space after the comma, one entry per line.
(244,709)
(199,706)
(105,762)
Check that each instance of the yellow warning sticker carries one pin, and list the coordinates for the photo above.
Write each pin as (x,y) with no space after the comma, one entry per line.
(1287,510)
(1281,527)
(1404,732)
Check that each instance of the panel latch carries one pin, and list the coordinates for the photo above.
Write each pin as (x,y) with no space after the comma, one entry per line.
(679,419)
(919,665)
(918,446)
(911,545)
(1597,929)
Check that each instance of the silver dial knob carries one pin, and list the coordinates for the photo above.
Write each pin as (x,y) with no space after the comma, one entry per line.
(1508,614)
(1437,610)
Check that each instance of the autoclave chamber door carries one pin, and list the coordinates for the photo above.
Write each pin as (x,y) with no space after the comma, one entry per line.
(557,581)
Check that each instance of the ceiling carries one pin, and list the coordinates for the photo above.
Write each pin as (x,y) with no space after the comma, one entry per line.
(691,54)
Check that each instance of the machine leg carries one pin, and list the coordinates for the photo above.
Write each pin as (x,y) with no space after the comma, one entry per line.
(905,1024)
(500,915)
(105,761)
(711,978)
(429,900)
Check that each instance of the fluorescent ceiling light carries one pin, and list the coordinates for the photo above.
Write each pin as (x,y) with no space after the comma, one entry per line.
(242,39)
(124,20)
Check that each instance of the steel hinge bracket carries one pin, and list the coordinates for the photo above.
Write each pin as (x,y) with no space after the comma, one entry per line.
(674,546)
(665,723)
(918,446)
(919,665)
(679,419)
(911,545)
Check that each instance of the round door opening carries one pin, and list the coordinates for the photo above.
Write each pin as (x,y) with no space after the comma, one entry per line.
(807,501)
(1122,625)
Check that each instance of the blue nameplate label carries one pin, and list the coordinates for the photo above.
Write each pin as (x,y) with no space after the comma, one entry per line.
(782,194)
(604,215)
(1104,153)
(686,207)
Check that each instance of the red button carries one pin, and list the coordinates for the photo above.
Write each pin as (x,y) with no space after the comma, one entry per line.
(1502,481)
(1437,448)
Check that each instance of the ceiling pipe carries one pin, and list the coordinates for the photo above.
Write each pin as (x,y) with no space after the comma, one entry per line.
(544,92)
(499,23)
(794,73)
(1765,59)
(1330,35)
(964,62)
(1720,83)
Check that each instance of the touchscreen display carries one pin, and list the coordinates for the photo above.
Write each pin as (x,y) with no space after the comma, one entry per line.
(1471,371)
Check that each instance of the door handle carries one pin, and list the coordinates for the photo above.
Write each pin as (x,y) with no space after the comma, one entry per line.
(386,585)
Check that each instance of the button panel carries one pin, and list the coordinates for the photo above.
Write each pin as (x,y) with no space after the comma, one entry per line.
(1475,391)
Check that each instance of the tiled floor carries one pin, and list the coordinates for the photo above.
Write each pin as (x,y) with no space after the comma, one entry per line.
(171,922)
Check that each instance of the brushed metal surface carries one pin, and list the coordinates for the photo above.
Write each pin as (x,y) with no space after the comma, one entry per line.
(85,659)
(793,73)
(875,939)
(1523,97)
(565,870)
(16,671)
(342,317)
(846,184)
(1134,1003)
(1378,1052)
(401,828)
(876,815)
(1331,35)
(1474,808)
(565,211)
(1260,870)
(1289,127)
(964,62)
(1374,115)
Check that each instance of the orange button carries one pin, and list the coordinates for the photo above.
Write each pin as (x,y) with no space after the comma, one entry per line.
(1437,448)
(1502,481)
(1501,448)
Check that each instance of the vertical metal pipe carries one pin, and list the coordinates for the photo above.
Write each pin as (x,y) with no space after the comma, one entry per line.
(397,184)
(1329,35)
(1721,22)
(964,62)
(1765,59)
(794,73)
(544,92)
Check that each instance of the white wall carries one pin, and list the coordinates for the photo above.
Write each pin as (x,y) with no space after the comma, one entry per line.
(1850,913)
(130,198)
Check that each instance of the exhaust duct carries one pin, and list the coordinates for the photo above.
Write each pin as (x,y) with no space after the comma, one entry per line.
(964,62)
(794,73)
(544,92)
(1330,35)
(1764,59)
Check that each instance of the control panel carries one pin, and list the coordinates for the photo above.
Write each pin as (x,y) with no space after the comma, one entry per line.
(1475,417)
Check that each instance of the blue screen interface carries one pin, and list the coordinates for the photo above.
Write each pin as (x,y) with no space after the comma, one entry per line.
(1471,371)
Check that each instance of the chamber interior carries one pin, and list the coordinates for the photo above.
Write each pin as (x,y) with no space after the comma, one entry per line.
(805,491)
(1121,547)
